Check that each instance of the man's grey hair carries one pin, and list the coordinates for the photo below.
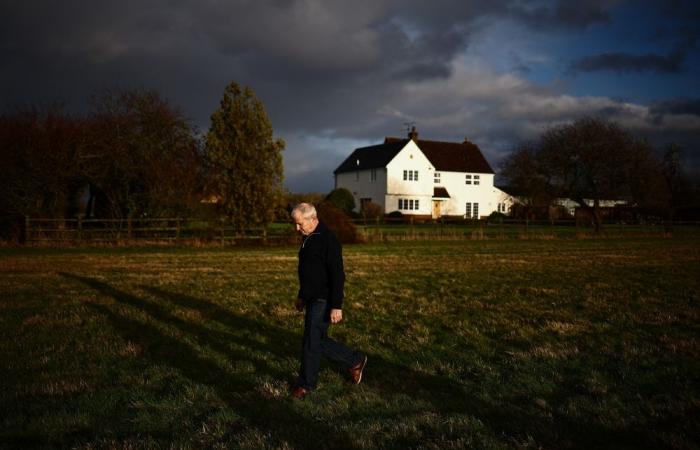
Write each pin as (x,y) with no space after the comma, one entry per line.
(305,210)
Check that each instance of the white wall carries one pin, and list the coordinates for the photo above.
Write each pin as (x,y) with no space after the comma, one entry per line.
(364,187)
(409,158)
(460,193)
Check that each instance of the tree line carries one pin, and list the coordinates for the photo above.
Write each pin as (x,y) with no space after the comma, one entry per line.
(134,155)
(593,159)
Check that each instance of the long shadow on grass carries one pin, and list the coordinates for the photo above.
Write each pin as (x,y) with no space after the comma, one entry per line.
(281,419)
(278,418)
(443,394)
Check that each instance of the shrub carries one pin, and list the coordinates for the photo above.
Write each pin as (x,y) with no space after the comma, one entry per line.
(371,211)
(338,222)
(341,199)
(496,217)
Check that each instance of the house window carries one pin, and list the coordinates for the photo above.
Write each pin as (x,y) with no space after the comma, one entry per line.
(373,175)
(476,179)
(437,177)
(364,202)
(357,176)
(468,211)
(476,210)
(468,179)
(406,204)
(410,175)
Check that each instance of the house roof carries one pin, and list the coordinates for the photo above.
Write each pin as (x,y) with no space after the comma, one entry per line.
(440,192)
(444,156)
(371,157)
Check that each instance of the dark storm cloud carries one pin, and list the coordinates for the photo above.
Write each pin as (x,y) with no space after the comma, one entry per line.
(690,106)
(625,63)
(331,73)
(680,28)
(300,56)
(562,14)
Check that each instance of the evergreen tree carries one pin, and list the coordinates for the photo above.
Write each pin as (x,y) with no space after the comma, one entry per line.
(245,159)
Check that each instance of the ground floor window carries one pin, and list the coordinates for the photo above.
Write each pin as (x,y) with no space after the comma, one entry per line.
(471,210)
(408,204)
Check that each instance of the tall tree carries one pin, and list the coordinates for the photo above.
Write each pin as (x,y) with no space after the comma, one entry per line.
(245,158)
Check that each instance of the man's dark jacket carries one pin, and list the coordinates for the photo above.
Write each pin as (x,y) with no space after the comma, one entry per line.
(321,267)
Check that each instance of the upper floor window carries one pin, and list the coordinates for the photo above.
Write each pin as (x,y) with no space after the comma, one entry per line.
(410,175)
(357,175)
(437,177)
(468,179)
(476,179)
(373,175)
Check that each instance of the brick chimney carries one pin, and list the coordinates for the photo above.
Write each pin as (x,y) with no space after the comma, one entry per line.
(413,134)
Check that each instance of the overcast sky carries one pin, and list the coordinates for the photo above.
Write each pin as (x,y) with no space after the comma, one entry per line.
(336,74)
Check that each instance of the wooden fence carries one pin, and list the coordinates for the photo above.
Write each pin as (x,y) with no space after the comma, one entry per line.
(160,230)
(189,231)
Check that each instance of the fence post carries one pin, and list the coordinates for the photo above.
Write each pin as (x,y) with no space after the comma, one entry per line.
(223,230)
(80,228)
(27,230)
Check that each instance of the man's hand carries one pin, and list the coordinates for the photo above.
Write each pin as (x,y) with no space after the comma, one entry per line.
(336,315)
(299,305)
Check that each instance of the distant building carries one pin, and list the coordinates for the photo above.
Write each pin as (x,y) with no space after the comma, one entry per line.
(427,179)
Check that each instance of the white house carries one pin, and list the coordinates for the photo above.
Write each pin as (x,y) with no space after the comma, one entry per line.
(422,178)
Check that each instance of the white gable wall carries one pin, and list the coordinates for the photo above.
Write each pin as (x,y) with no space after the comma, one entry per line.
(409,158)
(361,185)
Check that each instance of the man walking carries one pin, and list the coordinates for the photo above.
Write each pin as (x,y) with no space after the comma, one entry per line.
(321,279)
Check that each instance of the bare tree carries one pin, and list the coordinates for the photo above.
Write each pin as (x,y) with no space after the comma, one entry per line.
(143,158)
(587,161)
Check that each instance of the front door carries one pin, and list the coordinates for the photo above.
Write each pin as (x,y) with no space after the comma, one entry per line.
(436,209)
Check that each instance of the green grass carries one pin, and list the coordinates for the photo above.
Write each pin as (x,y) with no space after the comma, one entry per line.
(472,344)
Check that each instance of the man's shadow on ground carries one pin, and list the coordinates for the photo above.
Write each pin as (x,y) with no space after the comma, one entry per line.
(281,418)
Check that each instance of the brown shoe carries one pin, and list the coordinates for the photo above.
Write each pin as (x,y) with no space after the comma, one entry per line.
(356,371)
(299,392)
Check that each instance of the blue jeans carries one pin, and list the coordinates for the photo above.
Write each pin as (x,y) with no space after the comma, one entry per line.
(316,343)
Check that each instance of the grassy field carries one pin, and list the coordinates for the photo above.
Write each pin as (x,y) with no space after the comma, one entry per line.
(579,343)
